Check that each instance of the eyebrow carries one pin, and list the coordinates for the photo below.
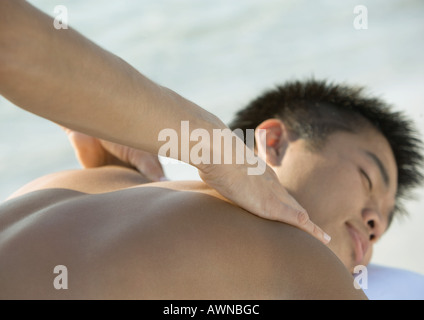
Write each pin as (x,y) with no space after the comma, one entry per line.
(380,165)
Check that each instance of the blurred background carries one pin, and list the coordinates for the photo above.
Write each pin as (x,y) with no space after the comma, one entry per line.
(220,54)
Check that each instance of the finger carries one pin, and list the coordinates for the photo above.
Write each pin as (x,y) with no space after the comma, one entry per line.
(88,150)
(310,227)
(300,219)
(149,165)
(299,215)
(281,206)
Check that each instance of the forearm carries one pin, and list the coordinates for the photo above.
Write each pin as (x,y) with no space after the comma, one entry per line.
(62,76)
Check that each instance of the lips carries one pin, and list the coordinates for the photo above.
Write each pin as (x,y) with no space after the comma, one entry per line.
(360,241)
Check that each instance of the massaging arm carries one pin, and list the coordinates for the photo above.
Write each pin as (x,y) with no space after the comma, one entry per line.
(64,77)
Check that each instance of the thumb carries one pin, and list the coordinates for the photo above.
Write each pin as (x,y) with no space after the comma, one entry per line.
(147,164)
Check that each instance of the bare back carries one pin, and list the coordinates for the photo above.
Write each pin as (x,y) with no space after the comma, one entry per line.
(121,239)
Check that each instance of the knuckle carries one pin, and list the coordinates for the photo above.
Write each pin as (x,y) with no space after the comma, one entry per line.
(302,218)
(315,229)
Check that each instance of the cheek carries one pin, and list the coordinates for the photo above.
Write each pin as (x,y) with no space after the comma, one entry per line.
(330,194)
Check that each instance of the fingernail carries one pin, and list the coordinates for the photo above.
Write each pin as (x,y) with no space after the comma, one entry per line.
(327,238)
(163,179)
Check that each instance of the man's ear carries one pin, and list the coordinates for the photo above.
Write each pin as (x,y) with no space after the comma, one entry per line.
(272,140)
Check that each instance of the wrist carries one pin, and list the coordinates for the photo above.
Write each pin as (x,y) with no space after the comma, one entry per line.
(223,147)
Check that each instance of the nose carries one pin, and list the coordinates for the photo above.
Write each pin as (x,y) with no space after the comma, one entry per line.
(373,221)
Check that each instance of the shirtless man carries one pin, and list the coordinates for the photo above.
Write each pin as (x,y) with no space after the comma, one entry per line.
(121,236)
(345,158)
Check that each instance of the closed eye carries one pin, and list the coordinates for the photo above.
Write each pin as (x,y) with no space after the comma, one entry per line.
(366,177)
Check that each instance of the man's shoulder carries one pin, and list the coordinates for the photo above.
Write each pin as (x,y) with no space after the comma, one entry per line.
(266,259)
(178,242)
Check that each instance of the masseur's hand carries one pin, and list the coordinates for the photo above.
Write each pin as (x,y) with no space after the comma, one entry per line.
(261,194)
(92,152)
